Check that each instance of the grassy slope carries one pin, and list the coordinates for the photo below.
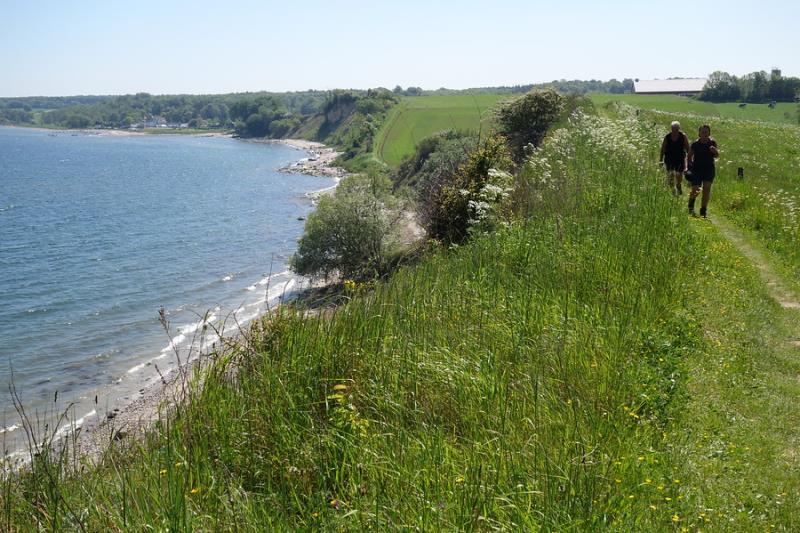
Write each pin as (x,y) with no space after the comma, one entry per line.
(419,117)
(608,364)
(784,112)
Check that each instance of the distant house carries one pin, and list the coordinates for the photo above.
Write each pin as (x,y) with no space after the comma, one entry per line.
(681,86)
(155,122)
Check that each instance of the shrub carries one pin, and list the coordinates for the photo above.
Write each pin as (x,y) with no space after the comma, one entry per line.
(471,197)
(525,121)
(440,153)
(349,233)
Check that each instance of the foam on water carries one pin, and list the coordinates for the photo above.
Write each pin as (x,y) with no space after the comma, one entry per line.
(70,427)
(9,429)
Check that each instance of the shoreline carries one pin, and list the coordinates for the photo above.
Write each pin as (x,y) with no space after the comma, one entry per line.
(119,132)
(318,163)
(130,420)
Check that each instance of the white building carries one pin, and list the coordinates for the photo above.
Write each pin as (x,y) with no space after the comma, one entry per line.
(682,86)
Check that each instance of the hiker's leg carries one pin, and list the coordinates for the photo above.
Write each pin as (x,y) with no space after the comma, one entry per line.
(706,194)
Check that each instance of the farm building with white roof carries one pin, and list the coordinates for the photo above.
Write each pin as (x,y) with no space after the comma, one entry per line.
(683,86)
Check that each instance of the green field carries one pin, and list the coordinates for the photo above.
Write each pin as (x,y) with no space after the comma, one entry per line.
(784,112)
(418,117)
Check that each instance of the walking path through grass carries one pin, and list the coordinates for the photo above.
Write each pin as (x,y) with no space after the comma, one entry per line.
(738,435)
(778,289)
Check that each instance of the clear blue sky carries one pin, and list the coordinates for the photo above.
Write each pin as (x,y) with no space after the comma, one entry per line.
(112,47)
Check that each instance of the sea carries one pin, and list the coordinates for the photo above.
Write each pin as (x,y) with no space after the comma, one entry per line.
(107,239)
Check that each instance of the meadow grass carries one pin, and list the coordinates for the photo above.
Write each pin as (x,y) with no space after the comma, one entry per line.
(416,118)
(766,203)
(602,363)
(783,112)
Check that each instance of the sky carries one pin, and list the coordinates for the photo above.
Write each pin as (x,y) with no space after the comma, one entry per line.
(71,47)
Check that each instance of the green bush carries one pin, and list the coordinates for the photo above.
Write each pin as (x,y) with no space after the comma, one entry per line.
(471,197)
(525,121)
(442,152)
(350,232)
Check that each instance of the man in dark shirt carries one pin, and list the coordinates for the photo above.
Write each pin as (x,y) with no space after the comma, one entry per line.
(673,156)
(700,159)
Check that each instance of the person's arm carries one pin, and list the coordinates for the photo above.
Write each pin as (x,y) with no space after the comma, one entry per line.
(686,150)
(714,149)
(689,158)
(663,150)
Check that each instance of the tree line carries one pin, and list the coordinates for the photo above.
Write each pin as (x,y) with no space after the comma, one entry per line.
(251,114)
(756,87)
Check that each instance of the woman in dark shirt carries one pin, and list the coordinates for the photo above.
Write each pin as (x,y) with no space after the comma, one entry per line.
(673,156)
(702,154)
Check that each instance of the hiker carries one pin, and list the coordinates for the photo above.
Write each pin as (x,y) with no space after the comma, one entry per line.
(700,162)
(673,156)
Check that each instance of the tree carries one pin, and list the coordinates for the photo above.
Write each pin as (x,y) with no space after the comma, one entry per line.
(615,86)
(797,99)
(721,87)
(349,233)
(526,120)
(77,122)
(257,125)
(755,87)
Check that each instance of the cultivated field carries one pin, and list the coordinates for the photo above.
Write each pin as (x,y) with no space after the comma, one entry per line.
(418,117)
(784,112)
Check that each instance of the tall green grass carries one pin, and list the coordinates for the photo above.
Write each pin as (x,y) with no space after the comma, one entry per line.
(524,381)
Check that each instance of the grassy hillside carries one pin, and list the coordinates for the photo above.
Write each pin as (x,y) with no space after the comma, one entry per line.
(603,363)
(418,117)
(784,112)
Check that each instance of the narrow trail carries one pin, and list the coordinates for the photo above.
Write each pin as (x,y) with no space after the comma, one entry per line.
(778,289)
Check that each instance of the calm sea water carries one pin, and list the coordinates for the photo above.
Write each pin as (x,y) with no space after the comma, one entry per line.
(97,233)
